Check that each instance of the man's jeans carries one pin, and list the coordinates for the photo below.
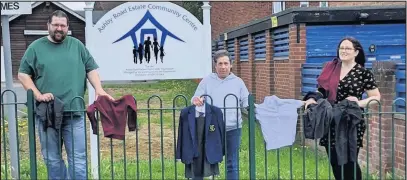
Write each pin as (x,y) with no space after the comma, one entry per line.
(72,136)
(233,139)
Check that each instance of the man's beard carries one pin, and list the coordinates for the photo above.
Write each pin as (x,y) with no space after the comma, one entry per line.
(54,36)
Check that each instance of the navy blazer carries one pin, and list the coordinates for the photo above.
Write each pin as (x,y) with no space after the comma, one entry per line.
(187,145)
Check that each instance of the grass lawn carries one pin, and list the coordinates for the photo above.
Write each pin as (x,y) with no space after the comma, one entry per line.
(153,144)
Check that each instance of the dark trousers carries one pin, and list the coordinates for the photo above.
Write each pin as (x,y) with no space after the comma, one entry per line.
(348,168)
(233,140)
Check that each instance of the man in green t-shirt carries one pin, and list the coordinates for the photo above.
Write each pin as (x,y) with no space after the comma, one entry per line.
(57,66)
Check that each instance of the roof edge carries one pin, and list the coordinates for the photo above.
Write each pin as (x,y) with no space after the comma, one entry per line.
(34,5)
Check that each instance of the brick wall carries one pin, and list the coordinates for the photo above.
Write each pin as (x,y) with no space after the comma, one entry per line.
(363,3)
(263,71)
(380,128)
(287,73)
(294,4)
(227,15)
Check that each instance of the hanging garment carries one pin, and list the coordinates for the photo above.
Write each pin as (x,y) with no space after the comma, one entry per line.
(113,115)
(346,115)
(317,119)
(278,121)
(200,142)
(51,113)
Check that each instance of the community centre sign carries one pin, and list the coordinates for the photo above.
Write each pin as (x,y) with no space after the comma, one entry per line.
(149,41)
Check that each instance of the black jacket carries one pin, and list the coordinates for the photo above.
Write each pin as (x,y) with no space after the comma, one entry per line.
(51,113)
(317,119)
(347,114)
(187,147)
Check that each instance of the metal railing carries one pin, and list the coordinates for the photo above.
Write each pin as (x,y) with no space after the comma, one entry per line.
(149,151)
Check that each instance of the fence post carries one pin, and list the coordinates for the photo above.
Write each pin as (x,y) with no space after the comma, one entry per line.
(31,134)
(380,121)
(252,147)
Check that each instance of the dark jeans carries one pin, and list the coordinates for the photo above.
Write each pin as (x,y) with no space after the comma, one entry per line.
(348,168)
(233,139)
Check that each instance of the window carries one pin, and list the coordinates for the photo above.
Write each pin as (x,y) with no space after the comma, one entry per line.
(304,4)
(278,7)
(259,46)
(213,48)
(244,48)
(220,45)
(231,48)
(323,4)
(281,43)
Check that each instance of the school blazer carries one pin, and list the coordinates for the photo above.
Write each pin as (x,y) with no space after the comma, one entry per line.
(214,135)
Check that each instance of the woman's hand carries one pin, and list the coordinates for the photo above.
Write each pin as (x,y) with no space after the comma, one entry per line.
(353,98)
(309,101)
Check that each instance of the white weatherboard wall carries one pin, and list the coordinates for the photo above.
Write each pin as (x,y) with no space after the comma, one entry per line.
(3,74)
(114,36)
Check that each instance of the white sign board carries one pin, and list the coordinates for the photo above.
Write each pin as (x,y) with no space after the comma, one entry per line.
(3,74)
(15,7)
(149,41)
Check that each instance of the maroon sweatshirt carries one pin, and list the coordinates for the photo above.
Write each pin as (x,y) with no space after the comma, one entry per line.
(113,115)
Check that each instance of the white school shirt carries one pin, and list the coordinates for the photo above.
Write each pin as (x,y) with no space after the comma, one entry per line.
(278,121)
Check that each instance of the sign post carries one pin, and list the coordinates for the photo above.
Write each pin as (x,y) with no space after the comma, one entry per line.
(91,95)
(206,10)
(11,8)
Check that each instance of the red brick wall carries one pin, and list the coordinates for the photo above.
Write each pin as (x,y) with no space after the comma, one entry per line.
(273,77)
(292,4)
(288,72)
(246,74)
(400,148)
(227,15)
(363,3)
(263,72)
(314,3)
(380,132)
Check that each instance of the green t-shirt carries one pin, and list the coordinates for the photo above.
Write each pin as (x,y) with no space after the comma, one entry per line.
(59,69)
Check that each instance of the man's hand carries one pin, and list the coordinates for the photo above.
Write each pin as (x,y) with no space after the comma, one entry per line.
(198,101)
(44,97)
(103,93)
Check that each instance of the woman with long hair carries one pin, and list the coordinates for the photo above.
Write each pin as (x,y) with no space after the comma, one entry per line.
(350,82)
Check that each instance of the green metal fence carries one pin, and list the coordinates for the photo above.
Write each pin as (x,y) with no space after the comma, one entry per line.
(149,152)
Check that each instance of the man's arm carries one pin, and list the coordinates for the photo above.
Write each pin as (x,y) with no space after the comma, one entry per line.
(92,74)
(25,73)
(28,83)
(94,79)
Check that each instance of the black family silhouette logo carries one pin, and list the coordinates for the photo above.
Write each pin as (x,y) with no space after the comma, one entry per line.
(142,51)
